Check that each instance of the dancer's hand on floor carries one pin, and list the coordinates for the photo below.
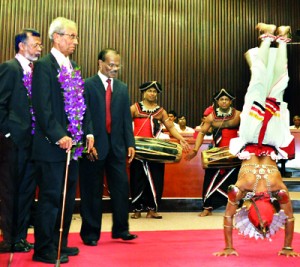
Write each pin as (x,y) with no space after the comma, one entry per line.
(288,253)
(226,252)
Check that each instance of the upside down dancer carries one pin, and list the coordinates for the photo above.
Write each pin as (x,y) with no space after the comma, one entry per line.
(264,138)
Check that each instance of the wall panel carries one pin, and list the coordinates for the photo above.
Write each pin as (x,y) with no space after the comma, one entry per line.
(193,47)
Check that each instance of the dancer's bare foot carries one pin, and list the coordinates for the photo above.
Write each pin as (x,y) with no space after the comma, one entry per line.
(264,28)
(284,31)
(205,213)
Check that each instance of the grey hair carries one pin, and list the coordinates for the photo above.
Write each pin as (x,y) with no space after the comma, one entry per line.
(59,25)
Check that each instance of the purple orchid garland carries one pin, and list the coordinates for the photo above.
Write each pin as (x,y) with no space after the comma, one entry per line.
(72,84)
(27,81)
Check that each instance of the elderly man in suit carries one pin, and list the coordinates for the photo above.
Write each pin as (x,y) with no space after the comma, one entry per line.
(55,81)
(114,141)
(17,171)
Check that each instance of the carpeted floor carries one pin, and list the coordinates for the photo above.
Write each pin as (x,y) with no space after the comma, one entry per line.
(170,248)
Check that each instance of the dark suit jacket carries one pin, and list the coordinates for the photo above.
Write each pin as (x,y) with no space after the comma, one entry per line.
(48,103)
(121,120)
(14,104)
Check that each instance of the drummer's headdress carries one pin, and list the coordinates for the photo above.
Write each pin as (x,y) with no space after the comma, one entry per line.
(151,84)
(223,92)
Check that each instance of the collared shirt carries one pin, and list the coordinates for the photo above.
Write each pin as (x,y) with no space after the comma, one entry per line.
(104,81)
(61,59)
(24,62)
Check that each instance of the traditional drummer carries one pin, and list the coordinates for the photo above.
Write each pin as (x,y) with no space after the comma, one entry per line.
(146,177)
(224,121)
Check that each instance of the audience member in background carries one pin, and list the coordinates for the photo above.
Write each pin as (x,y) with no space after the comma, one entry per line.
(114,142)
(224,121)
(296,121)
(17,170)
(55,81)
(267,205)
(172,117)
(183,129)
(147,177)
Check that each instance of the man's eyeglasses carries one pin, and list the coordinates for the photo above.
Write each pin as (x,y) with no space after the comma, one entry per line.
(36,46)
(72,36)
(113,66)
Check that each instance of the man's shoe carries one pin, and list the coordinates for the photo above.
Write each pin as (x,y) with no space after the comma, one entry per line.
(50,258)
(31,245)
(125,236)
(92,243)
(70,251)
(5,247)
(21,246)
(153,214)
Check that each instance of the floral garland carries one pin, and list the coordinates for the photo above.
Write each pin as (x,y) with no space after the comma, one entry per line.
(72,84)
(27,81)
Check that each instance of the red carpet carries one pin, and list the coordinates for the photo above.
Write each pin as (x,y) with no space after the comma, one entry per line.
(170,248)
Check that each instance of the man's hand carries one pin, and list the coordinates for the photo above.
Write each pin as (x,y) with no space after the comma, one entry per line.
(226,252)
(131,153)
(92,155)
(89,143)
(65,143)
(185,145)
(190,155)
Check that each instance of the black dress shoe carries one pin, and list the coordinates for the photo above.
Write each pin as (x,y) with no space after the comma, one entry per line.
(50,258)
(70,251)
(92,243)
(21,246)
(5,247)
(125,236)
(31,245)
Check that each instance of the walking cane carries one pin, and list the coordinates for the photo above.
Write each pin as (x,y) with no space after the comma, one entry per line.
(63,209)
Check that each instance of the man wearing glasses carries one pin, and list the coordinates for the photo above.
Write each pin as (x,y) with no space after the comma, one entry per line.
(54,137)
(108,101)
(17,170)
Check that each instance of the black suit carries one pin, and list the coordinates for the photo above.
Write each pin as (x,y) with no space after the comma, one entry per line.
(17,171)
(112,152)
(51,126)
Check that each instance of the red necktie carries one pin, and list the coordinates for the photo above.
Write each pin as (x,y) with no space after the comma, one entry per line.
(107,102)
(31,66)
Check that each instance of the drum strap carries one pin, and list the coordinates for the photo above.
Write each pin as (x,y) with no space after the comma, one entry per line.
(148,117)
(216,138)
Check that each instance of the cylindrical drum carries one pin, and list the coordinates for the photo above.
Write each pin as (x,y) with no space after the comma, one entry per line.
(158,150)
(219,157)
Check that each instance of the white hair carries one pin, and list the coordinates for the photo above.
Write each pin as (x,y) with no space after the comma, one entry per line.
(59,25)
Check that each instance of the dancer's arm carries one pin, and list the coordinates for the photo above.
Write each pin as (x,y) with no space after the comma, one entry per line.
(287,249)
(228,226)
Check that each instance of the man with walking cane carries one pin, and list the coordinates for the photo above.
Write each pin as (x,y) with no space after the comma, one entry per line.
(57,96)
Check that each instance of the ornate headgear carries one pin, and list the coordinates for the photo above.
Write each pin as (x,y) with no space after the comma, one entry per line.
(261,214)
(223,92)
(258,218)
(148,85)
